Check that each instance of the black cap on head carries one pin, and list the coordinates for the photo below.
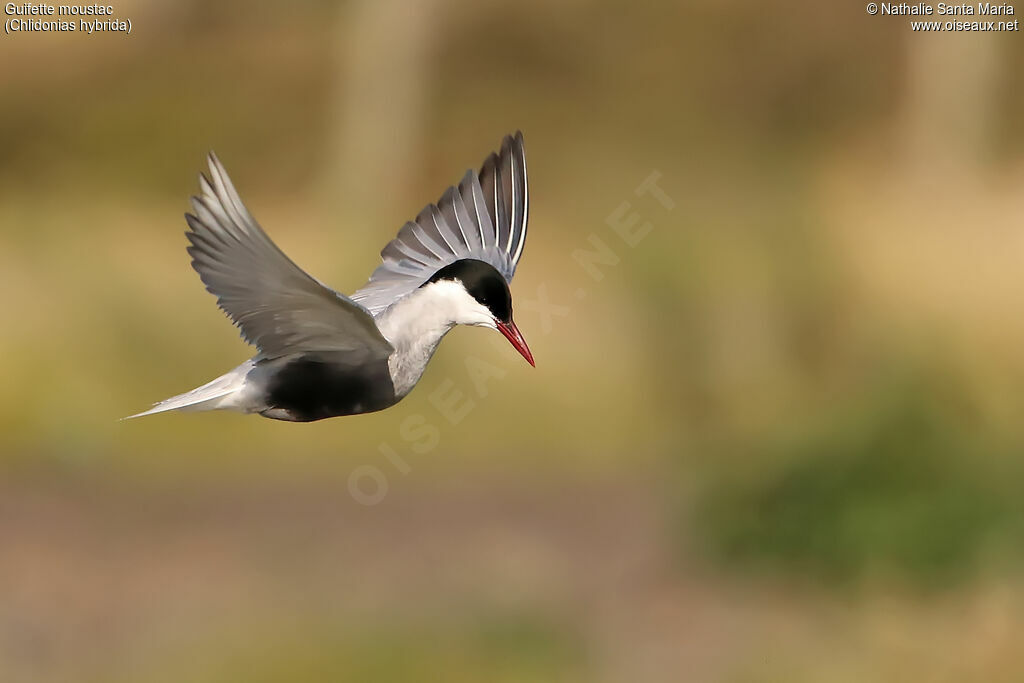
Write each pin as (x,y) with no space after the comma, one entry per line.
(483,282)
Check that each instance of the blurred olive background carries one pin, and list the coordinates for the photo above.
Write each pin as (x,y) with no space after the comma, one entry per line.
(776,438)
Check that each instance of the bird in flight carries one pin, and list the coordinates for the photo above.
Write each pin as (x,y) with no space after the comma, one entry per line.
(323,354)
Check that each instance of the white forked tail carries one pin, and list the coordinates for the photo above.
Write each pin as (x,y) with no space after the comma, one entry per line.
(220,393)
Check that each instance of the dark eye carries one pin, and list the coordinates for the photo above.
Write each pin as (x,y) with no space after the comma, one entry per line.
(498,303)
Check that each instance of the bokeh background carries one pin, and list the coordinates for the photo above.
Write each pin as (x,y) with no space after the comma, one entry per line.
(779,438)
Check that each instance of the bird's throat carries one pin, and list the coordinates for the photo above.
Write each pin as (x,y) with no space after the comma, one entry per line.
(414,326)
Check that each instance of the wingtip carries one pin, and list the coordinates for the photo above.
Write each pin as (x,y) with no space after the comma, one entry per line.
(217,171)
(512,146)
(514,140)
(205,189)
(192,219)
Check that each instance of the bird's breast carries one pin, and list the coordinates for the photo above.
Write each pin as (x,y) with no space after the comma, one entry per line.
(312,387)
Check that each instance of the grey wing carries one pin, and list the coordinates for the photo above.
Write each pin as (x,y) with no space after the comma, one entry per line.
(278,307)
(484,218)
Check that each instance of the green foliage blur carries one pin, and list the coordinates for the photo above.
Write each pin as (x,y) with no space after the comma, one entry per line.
(900,486)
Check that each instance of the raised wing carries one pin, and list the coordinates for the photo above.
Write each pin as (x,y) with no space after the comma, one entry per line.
(483,218)
(279,308)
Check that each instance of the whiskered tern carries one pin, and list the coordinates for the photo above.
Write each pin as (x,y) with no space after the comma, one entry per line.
(323,354)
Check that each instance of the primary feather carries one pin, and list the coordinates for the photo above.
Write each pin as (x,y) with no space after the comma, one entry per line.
(484,218)
(278,307)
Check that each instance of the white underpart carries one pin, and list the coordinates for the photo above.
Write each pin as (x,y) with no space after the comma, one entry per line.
(416,323)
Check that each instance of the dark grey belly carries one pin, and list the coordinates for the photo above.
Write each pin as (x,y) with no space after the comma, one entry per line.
(314,386)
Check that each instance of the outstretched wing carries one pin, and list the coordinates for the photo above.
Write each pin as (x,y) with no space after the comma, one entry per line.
(278,307)
(483,218)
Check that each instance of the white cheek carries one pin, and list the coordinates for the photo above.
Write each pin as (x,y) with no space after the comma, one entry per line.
(479,316)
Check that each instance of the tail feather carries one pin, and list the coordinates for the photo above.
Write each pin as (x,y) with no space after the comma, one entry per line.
(210,396)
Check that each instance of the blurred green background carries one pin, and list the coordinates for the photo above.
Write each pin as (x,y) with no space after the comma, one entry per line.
(778,438)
